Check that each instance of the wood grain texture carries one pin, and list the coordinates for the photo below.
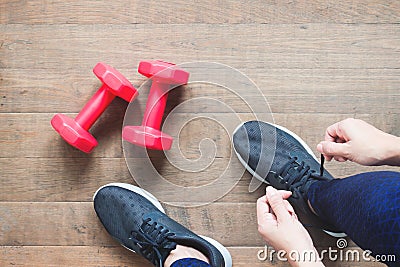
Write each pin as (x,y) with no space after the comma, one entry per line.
(286,90)
(43,256)
(180,11)
(76,179)
(76,224)
(260,46)
(31,135)
(49,256)
(315,62)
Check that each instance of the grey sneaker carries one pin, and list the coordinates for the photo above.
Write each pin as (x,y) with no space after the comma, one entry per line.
(137,221)
(278,157)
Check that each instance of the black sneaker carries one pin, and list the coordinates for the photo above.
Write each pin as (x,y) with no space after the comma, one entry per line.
(137,221)
(278,157)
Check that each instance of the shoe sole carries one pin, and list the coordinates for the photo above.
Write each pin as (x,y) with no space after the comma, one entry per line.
(224,251)
(306,147)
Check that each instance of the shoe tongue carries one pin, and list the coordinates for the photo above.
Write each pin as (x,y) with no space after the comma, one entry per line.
(166,250)
(165,244)
(295,170)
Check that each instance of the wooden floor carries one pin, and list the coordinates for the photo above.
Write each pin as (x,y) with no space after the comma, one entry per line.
(316,62)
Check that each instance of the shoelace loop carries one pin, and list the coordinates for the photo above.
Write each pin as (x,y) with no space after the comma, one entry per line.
(296,175)
(152,239)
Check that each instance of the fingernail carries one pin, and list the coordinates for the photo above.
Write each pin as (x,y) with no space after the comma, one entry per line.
(270,191)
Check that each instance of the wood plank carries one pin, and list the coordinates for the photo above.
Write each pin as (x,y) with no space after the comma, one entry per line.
(264,46)
(76,179)
(179,11)
(118,256)
(208,99)
(76,224)
(42,256)
(31,135)
(315,62)
(24,90)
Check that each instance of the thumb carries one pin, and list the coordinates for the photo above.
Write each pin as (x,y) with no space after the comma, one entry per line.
(275,200)
(334,149)
(285,194)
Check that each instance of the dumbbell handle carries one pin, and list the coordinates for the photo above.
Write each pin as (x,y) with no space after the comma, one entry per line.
(155,105)
(94,107)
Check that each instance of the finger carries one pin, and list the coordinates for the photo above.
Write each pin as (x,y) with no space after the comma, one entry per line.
(328,158)
(289,207)
(263,202)
(277,205)
(285,194)
(263,210)
(332,132)
(339,140)
(321,150)
(334,149)
(340,159)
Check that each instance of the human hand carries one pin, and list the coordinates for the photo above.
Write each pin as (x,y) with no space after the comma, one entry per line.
(360,142)
(281,228)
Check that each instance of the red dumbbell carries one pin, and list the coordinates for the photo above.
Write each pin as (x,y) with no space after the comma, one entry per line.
(163,75)
(76,131)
